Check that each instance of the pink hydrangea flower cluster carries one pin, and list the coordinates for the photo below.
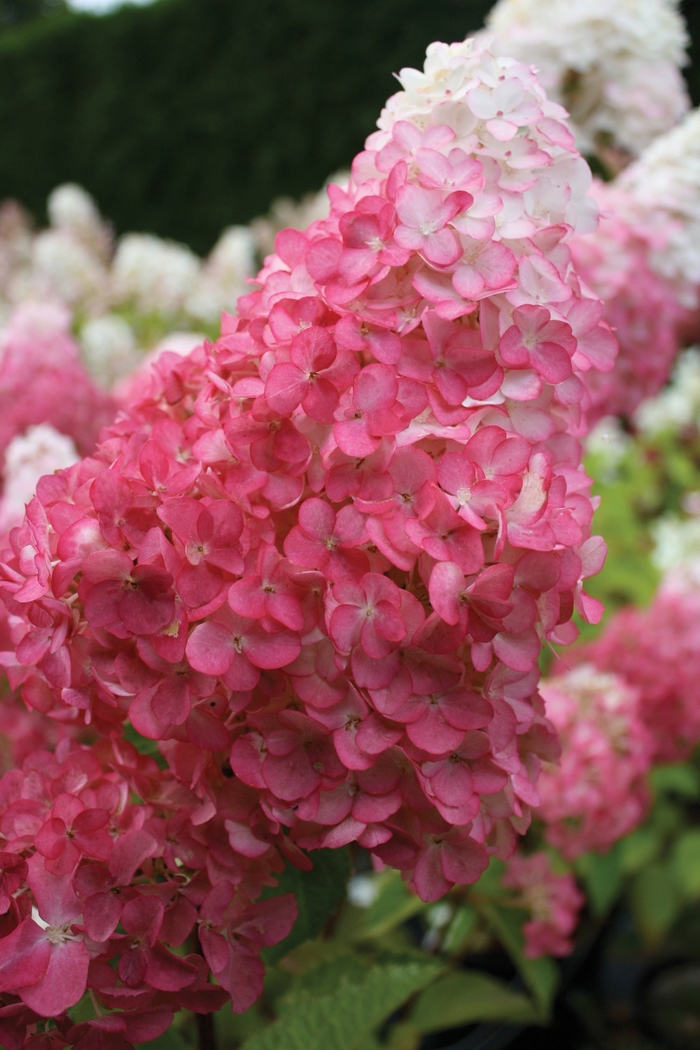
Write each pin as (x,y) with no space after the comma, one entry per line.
(553,901)
(322,554)
(645,308)
(81,858)
(657,651)
(42,379)
(597,793)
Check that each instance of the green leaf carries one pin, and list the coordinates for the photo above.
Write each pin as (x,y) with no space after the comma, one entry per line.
(319,893)
(144,746)
(602,878)
(460,929)
(655,901)
(678,779)
(686,864)
(170,1040)
(463,998)
(340,1013)
(540,975)
(393,904)
(639,849)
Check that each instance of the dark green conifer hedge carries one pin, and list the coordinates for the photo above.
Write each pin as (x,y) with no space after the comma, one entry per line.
(189,115)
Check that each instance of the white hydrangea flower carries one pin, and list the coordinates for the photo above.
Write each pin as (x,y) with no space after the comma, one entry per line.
(676,541)
(609,442)
(72,209)
(614,64)
(64,267)
(109,348)
(224,274)
(157,276)
(677,406)
(666,182)
(40,450)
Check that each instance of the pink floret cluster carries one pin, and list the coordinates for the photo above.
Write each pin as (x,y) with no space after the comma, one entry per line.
(553,900)
(42,379)
(657,651)
(644,308)
(81,856)
(318,559)
(597,793)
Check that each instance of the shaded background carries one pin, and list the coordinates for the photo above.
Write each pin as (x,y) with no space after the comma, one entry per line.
(190,115)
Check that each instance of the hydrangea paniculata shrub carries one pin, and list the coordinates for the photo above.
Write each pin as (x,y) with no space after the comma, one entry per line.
(318,558)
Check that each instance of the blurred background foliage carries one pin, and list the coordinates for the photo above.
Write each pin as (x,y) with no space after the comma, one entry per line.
(186,116)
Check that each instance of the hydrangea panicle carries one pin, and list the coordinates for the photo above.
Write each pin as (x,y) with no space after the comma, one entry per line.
(322,553)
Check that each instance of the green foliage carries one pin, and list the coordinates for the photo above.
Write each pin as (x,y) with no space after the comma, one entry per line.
(686,863)
(319,893)
(460,929)
(655,900)
(468,996)
(602,878)
(540,975)
(144,746)
(16,12)
(340,1004)
(189,115)
(393,904)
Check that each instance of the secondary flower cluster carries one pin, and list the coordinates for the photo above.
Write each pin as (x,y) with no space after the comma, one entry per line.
(616,67)
(81,858)
(665,181)
(597,793)
(657,651)
(321,554)
(647,309)
(42,379)
(553,901)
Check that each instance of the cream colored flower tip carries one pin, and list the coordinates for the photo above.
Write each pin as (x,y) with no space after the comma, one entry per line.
(616,66)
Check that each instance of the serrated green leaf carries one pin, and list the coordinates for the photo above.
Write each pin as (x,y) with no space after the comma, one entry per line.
(602,878)
(540,975)
(686,864)
(344,1019)
(325,980)
(656,901)
(679,779)
(319,893)
(466,997)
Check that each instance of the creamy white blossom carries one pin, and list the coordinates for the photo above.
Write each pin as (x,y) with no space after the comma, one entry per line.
(666,182)
(157,276)
(614,64)
(676,541)
(40,450)
(224,274)
(677,406)
(109,348)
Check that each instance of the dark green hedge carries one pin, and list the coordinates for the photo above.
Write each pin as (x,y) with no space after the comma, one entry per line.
(189,115)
